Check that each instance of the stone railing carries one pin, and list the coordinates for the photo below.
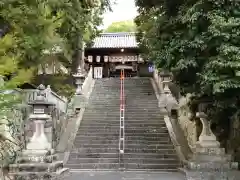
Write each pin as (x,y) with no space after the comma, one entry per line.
(87,83)
(168,104)
(75,113)
(206,159)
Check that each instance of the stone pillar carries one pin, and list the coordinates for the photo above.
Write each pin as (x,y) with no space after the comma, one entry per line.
(209,161)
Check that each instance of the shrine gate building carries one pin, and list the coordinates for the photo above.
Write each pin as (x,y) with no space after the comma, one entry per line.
(112,52)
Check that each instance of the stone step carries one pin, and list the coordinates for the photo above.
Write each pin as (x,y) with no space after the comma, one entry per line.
(128,117)
(129,107)
(116,141)
(109,127)
(116,130)
(124,160)
(127,146)
(126,155)
(41,167)
(107,134)
(110,92)
(137,126)
(115,113)
(127,150)
(93,166)
(147,142)
(127,120)
(92,160)
(162,166)
(89,121)
(130,138)
(127,124)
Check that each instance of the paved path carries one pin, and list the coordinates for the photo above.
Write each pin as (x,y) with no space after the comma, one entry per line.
(125,176)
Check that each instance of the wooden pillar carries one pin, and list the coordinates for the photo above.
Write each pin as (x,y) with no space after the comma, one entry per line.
(106,66)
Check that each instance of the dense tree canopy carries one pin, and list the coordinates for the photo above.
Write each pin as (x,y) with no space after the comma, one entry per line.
(33,27)
(30,33)
(121,26)
(199,41)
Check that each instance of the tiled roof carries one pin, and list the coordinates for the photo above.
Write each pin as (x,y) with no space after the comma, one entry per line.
(115,40)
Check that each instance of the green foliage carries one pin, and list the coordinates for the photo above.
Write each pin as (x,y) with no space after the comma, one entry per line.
(199,41)
(80,22)
(121,26)
(35,27)
(62,84)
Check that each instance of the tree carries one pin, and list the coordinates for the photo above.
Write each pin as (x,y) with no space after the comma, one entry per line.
(32,28)
(80,22)
(198,41)
(121,26)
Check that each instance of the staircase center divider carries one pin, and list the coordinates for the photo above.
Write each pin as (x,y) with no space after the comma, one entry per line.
(122,118)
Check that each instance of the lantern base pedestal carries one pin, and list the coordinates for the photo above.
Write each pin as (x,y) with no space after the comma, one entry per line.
(211,163)
(208,144)
(40,165)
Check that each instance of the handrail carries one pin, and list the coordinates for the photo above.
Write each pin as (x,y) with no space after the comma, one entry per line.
(122,119)
(87,82)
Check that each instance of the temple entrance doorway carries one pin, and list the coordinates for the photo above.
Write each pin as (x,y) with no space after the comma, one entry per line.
(128,71)
(98,72)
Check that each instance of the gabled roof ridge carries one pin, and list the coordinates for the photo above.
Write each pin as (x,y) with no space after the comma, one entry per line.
(115,40)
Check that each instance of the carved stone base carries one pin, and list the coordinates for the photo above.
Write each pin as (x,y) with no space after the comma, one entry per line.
(208,143)
(62,174)
(200,175)
(38,164)
(211,164)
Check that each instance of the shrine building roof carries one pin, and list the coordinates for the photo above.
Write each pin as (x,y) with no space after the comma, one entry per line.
(115,40)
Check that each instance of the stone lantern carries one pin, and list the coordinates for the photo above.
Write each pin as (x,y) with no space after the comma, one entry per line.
(39,161)
(39,117)
(79,100)
(165,78)
(79,77)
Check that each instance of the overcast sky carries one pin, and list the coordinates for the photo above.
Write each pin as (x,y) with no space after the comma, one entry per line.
(123,10)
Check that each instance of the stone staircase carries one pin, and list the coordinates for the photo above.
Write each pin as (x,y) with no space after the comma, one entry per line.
(147,142)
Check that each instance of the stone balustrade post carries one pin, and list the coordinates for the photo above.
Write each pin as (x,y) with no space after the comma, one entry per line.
(206,138)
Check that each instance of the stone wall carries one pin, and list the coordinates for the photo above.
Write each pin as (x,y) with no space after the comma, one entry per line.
(233,142)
